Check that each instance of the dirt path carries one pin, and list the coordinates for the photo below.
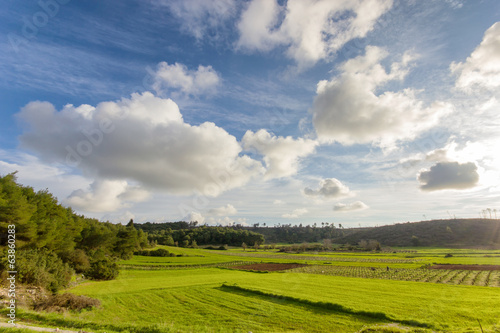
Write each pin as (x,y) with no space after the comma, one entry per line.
(39,329)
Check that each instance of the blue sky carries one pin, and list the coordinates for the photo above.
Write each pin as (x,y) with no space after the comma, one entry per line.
(364,112)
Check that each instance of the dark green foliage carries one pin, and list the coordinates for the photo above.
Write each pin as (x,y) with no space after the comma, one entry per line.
(155,253)
(164,234)
(104,269)
(287,233)
(52,240)
(466,233)
(40,267)
(77,259)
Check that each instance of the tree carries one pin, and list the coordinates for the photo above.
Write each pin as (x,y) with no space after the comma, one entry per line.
(415,241)
(104,269)
(244,246)
(15,209)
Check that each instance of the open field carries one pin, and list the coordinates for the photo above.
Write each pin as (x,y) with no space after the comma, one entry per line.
(344,293)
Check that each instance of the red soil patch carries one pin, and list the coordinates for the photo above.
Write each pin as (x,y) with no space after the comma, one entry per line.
(268,267)
(469,267)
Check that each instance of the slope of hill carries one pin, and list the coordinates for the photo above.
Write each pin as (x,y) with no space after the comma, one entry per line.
(454,233)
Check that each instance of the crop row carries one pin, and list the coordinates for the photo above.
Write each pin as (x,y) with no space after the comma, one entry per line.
(319,258)
(171,267)
(448,276)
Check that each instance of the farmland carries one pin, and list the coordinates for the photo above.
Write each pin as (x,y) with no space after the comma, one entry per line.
(212,291)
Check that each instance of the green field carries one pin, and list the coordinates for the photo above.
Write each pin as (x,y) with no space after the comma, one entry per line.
(198,293)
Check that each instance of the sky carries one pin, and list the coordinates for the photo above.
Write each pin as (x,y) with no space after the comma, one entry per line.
(352,112)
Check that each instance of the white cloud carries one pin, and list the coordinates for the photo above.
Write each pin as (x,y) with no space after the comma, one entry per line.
(278,202)
(310,30)
(357,205)
(348,110)
(194,217)
(281,154)
(204,80)
(224,210)
(329,188)
(449,175)
(482,68)
(201,19)
(143,139)
(296,213)
(106,196)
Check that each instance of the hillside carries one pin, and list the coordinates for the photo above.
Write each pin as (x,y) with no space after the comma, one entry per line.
(454,232)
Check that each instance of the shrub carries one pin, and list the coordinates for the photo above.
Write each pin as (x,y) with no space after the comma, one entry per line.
(155,253)
(104,269)
(66,301)
(77,259)
(42,268)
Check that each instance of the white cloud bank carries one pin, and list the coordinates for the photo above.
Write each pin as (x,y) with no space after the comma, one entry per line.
(281,154)
(310,30)
(357,205)
(330,188)
(226,210)
(144,139)
(348,110)
(449,175)
(296,213)
(482,68)
(178,77)
(106,196)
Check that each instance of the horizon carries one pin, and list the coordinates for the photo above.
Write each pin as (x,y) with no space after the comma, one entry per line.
(243,112)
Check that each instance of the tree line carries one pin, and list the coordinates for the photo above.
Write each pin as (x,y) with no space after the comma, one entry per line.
(53,243)
(170,233)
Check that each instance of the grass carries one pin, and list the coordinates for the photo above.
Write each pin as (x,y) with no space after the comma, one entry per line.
(197,298)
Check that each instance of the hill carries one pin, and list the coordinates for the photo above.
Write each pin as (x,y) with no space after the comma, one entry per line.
(450,233)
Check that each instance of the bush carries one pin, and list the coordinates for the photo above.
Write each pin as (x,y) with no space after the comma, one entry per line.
(42,268)
(155,253)
(77,259)
(66,301)
(104,269)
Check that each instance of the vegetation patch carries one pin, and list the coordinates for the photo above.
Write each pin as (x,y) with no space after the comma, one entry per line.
(269,267)
(468,267)
(59,303)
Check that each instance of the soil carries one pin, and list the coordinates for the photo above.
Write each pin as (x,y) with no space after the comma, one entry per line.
(270,267)
(468,267)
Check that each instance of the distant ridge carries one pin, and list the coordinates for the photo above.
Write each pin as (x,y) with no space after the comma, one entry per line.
(452,232)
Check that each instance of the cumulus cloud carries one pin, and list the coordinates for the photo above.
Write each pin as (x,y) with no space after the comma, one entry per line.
(310,30)
(329,188)
(281,154)
(348,110)
(482,68)
(201,19)
(143,138)
(194,217)
(225,221)
(357,205)
(106,196)
(296,213)
(227,210)
(449,175)
(178,77)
